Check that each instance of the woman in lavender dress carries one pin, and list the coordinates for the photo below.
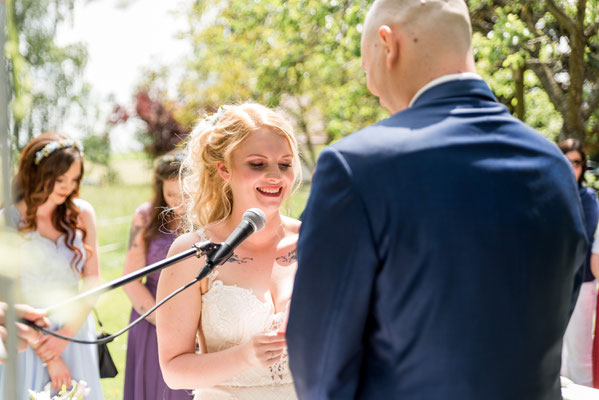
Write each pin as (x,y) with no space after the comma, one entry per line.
(59,231)
(153,231)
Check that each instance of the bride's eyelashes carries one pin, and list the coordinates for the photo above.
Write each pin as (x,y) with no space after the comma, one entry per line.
(260,165)
(256,165)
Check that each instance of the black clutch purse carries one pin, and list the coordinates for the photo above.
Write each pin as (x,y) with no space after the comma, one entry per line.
(106,364)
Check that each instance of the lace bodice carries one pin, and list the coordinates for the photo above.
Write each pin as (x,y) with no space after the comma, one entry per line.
(232,315)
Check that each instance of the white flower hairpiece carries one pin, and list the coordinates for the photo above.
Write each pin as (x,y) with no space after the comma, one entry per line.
(213,119)
(170,158)
(57,145)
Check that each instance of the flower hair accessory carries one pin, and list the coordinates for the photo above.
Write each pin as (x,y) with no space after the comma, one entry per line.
(170,158)
(57,145)
(213,119)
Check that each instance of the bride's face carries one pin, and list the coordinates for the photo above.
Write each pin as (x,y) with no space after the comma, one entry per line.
(261,172)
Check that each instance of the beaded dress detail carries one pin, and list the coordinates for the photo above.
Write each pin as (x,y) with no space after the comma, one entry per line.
(231,316)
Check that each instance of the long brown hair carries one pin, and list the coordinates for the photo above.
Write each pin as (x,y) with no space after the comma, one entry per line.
(167,168)
(35,181)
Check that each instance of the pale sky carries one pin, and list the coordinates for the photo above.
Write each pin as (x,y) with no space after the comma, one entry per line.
(124,37)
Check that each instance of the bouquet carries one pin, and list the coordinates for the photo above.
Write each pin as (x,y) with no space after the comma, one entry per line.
(78,391)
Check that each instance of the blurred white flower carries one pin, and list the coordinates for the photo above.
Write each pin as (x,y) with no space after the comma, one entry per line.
(78,391)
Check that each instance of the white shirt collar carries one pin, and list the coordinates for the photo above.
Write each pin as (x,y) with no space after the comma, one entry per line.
(444,79)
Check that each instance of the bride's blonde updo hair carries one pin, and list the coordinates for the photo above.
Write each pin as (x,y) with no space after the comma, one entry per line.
(209,197)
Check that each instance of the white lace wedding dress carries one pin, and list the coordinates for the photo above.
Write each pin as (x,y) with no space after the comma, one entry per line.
(231,316)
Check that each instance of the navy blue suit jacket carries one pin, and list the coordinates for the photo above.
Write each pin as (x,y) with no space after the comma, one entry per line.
(438,257)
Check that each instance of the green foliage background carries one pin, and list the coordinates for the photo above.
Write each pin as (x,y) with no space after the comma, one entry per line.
(44,76)
(302,56)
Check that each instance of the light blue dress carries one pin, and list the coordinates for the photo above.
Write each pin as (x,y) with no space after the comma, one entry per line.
(44,282)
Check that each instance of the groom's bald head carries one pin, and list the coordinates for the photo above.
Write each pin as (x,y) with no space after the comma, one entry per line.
(446,20)
(432,38)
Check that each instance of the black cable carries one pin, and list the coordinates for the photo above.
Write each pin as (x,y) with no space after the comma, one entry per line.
(110,338)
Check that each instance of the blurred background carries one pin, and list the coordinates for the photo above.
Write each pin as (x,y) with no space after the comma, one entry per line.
(130,77)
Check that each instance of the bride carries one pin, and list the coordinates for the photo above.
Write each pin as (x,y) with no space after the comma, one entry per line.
(241,157)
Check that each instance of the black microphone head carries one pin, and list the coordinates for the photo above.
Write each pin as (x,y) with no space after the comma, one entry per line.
(256,218)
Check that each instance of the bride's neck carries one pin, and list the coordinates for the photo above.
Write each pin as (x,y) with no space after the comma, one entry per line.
(271,234)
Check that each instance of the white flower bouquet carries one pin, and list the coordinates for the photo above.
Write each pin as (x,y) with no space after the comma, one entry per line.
(78,391)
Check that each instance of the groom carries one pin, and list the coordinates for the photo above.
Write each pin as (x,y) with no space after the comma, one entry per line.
(440,248)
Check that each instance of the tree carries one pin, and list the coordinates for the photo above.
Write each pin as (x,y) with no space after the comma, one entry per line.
(302,56)
(45,77)
(542,55)
(166,122)
(163,131)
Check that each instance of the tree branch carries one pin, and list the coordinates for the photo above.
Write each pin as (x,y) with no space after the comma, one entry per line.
(561,16)
(592,30)
(596,127)
(592,103)
(529,17)
(299,115)
(554,91)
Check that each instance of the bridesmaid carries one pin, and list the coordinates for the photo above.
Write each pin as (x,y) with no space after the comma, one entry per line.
(153,230)
(58,228)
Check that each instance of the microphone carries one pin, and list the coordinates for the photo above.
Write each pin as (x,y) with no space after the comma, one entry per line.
(253,220)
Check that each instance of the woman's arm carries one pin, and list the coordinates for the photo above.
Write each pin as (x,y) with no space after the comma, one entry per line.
(141,298)
(91,269)
(59,373)
(178,321)
(594,238)
(51,347)
(595,265)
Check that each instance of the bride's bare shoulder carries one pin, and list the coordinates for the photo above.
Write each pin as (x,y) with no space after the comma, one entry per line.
(184,242)
(292,225)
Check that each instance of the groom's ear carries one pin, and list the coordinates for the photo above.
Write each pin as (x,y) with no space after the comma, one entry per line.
(390,44)
(223,171)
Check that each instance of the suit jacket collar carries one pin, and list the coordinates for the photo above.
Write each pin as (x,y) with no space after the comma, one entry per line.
(443,79)
(456,88)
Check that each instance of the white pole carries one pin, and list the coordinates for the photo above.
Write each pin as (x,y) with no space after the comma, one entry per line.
(10,366)
(7,293)
(4,96)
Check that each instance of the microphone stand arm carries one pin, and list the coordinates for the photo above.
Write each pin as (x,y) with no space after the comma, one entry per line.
(199,249)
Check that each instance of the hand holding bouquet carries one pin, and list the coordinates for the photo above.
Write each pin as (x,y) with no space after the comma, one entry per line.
(78,391)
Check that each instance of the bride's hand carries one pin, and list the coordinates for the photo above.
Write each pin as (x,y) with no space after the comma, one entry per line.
(59,373)
(265,350)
